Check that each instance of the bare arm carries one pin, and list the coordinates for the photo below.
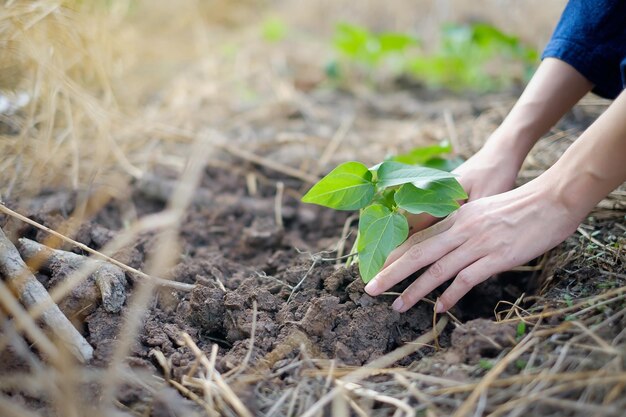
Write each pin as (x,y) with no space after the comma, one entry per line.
(553,90)
(595,164)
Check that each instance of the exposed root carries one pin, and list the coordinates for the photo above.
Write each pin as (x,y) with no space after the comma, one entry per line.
(110,279)
(31,293)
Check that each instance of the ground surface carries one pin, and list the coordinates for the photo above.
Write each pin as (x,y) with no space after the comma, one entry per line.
(277,303)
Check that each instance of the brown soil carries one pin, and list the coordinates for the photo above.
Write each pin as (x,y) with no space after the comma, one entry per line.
(301,299)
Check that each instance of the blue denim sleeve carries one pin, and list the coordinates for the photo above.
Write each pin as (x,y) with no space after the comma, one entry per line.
(591,37)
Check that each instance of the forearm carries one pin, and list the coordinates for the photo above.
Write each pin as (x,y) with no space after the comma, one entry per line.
(595,164)
(552,91)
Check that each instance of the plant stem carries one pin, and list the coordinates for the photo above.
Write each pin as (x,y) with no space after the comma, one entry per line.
(353,258)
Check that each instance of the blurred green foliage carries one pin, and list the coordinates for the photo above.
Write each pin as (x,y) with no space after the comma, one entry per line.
(477,56)
(366,51)
(274,29)
(474,56)
(485,364)
(365,47)
(433,156)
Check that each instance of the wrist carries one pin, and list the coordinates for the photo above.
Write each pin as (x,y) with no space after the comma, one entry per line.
(508,146)
(573,188)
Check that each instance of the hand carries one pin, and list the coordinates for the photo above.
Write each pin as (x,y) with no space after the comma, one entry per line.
(482,238)
(553,90)
(490,171)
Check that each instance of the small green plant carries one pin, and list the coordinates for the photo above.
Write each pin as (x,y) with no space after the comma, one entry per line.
(521,330)
(431,157)
(469,56)
(485,364)
(568,300)
(370,50)
(477,56)
(521,364)
(384,194)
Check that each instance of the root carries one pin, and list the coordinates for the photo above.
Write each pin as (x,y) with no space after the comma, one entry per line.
(31,293)
(110,279)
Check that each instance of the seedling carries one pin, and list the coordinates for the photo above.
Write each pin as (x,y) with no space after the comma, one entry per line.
(521,330)
(568,300)
(474,56)
(521,364)
(384,194)
(357,45)
(431,157)
(477,56)
(485,364)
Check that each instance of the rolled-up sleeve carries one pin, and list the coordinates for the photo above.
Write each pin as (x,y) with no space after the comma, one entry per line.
(591,37)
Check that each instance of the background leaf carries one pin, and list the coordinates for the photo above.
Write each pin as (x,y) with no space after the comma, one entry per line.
(380,232)
(444,164)
(432,200)
(421,155)
(347,187)
(392,173)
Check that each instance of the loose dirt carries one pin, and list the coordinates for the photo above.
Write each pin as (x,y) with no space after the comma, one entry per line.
(246,270)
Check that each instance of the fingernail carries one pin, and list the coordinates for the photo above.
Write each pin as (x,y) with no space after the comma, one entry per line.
(372,287)
(398,304)
(439,308)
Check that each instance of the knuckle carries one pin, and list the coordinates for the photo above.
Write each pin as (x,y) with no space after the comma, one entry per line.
(461,232)
(410,296)
(415,238)
(415,252)
(465,279)
(436,270)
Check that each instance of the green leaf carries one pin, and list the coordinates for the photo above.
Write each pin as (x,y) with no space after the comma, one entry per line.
(392,173)
(431,200)
(359,44)
(380,232)
(347,187)
(351,40)
(444,164)
(395,42)
(421,155)
(448,187)
(387,198)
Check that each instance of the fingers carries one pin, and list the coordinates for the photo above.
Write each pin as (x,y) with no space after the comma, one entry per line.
(439,272)
(418,237)
(465,280)
(413,259)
